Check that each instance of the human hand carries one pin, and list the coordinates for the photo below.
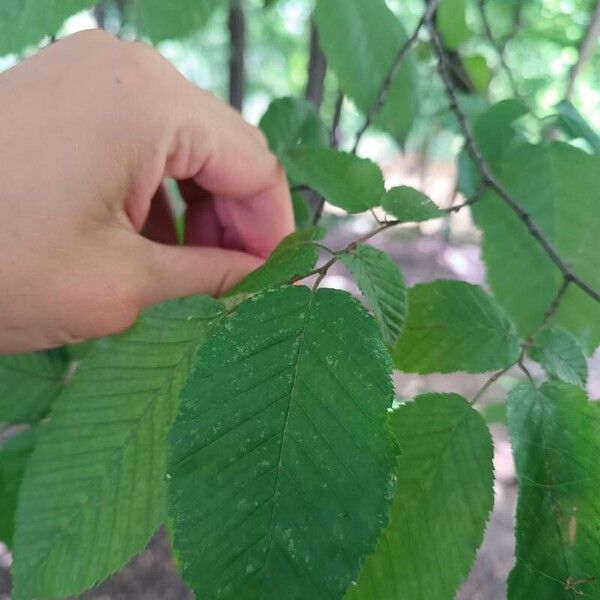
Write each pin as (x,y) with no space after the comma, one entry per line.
(90,127)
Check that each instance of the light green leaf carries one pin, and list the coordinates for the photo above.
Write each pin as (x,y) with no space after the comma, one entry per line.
(561,355)
(344,180)
(29,383)
(478,71)
(14,454)
(361,41)
(557,185)
(280,472)
(94,491)
(164,20)
(455,326)
(555,433)
(380,280)
(444,496)
(24,22)
(574,125)
(289,122)
(452,23)
(294,256)
(410,205)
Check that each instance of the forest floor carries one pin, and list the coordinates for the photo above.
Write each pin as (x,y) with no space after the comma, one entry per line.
(443,254)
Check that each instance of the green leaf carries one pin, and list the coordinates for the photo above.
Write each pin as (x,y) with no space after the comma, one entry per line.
(443,500)
(455,326)
(478,71)
(294,256)
(24,22)
(555,433)
(280,471)
(14,454)
(302,216)
(361,41)
(344,180)
(164,20)
(289,122)
(494,413)
(561,355)
(29,383)
(410,205)
(380,280)
(94,490)
(574,125)
(557,184)
(452,23)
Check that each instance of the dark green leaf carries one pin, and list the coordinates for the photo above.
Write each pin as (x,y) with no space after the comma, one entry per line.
(574,125)
(410,205)
(280,474)
(494,413)
(14,454)
(557,184)
(29,383)
(302,216)
(361,41)
(289,122)
(295,255)
(94,491)
(352,183)
(561,355)
(380,280)
(555,433)
(455,326)
(444,496)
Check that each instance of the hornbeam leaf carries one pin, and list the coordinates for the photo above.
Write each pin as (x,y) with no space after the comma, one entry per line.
(14,454)
(280,470)
(344,180)
(294,256)
(410,205)
(455,326)
(361,40)
(94,491)
(555,433)
(561,355)
(29,383)
(380,280)
(444,497)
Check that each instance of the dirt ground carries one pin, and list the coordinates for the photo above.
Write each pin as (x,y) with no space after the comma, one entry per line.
(152,576)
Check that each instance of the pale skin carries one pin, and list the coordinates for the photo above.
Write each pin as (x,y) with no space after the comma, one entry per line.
(90,128)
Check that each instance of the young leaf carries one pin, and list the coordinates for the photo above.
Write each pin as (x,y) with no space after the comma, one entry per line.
(344,180)
(280,470)
(380,280)
(410,205)
(555,433)
(556,184)
(14,454)
(29,383)
(162,20)
(361,41)
(295,255)
(455,326)
(445,492)
(561,356)
(289,122)
(94,492)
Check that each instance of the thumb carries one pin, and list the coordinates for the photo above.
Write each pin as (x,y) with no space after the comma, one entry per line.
(177,271)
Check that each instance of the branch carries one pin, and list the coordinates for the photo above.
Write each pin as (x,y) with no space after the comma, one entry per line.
(317,69)
(489,34)
(585,49)
(237,41)
(491,181)
(384,90)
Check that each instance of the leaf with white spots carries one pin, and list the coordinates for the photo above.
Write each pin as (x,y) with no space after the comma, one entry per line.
(281,456)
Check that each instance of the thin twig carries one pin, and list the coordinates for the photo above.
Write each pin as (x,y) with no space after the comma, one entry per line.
(237,49)
(317,69)
(491,180)
(384,90)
